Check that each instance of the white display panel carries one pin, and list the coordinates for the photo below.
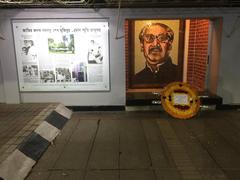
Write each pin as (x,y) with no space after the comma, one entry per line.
(62,56)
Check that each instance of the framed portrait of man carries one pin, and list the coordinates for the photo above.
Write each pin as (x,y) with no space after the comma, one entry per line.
(155,49)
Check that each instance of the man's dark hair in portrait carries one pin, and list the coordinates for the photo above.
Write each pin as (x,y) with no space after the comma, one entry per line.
(156,43)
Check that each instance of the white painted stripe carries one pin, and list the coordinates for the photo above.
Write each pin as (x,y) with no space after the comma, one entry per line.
(47,131)
(61,109)
(16,166)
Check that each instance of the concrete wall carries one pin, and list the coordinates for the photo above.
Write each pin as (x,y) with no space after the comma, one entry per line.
(115,97)
(229,72)
(2,96)
(8,63)
(228,86)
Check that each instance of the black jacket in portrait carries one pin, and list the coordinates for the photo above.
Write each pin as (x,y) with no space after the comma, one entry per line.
(168,72)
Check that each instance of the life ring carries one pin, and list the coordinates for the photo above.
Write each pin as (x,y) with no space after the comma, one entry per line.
(180,100)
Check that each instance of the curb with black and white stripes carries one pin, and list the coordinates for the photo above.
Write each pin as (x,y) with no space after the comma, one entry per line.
(20,162)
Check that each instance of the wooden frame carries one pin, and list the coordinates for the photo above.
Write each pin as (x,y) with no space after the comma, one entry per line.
(136,60)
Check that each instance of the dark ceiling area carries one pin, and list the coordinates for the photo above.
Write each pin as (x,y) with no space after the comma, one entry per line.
(117,3)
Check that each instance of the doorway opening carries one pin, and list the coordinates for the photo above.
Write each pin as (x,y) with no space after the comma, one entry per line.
(195,48)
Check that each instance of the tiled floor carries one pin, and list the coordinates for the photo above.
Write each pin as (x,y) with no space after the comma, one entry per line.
(129,145)
(17,121)
(144,145)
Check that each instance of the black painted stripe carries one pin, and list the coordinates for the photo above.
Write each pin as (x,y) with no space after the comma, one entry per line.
(34,146)
(57,120)
(97,108)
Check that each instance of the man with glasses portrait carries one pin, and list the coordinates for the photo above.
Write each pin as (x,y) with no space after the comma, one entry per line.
(156,43)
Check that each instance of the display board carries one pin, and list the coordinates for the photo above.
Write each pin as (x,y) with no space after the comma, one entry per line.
(62,56)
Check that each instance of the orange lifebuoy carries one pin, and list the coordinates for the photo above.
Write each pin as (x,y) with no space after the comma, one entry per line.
(180,100)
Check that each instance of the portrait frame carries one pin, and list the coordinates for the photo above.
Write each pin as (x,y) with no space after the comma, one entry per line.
(135,58)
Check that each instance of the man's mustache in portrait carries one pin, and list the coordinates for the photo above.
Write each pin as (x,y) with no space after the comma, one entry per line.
(155,49)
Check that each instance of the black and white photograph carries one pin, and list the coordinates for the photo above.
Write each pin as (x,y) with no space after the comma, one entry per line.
(63,75)
(30,73)
(47,76)
(95,53)
(29,49)
(30,70)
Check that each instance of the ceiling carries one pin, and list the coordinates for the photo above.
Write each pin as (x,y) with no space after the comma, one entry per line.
(117,3)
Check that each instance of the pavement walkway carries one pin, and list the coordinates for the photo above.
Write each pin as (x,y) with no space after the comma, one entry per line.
(144,146)
(123,145)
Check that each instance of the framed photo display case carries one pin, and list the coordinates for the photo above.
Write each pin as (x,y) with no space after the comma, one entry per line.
(62,54)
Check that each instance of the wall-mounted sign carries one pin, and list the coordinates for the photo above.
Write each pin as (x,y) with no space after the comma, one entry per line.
(62,56)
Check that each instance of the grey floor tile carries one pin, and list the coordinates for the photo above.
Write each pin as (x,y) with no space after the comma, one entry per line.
(133,146)
(168,174)
(76,152)
(43,175)
(49,158)
(104,156)
(213,174)
(66,174)
(102,175)
(137,175)
(74,156)
(105,152)
(159,153)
